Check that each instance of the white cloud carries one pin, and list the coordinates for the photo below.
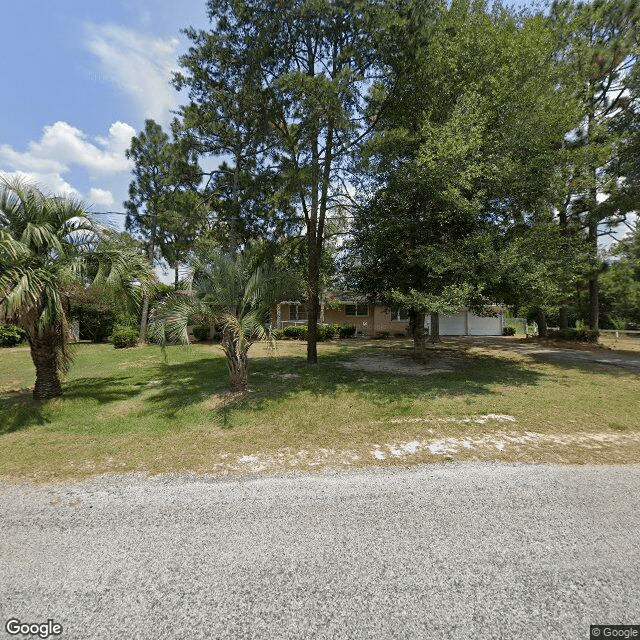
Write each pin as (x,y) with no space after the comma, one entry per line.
(63,145)
(101,196)
(138,65)
(50,182)
(63,148)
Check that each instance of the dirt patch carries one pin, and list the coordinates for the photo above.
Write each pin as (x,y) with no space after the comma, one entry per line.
(400,365)
(593,357)
(499,445)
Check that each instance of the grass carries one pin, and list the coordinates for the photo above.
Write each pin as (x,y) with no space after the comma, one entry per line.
(623,343)
(133,410)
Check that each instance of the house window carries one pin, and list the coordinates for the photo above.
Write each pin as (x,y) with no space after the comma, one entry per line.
(298,312)
(356,309)
(399,314)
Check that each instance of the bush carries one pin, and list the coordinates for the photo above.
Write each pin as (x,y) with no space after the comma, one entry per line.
(201,332)
(347,330)
(327,331)
(124,337)
(97,321)
(277,334)
(11,336)
(509,330)
(575,335)
(298,332)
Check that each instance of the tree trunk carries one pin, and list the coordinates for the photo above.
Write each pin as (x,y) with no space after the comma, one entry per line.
(237,361)
(151,251)
(45,354)
(233,241)
(542,324)
(142,337)
(419,334)
(594,303)
(176,274)
(564,226)
(313,310)
(564,318)
(435,328)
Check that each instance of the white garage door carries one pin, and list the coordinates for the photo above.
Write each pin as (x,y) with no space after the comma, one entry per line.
(485,326)
(453,325)
(463,323)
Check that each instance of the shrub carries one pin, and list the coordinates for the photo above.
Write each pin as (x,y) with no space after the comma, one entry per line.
(10,336)
(277,334)
(97,321)
(347,330)
(124,337)
(298,332)
(327,331)
(201,332)
(383,335)
(575,335)
(509,330)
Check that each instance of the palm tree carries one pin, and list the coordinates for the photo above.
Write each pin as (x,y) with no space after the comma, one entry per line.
(230,293)
(50,248)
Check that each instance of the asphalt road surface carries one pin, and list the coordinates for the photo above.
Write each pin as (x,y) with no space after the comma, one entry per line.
(438,551)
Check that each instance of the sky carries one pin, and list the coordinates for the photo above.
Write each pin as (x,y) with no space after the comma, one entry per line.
(78,79)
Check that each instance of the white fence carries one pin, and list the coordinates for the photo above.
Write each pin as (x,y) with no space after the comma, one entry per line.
(621,332)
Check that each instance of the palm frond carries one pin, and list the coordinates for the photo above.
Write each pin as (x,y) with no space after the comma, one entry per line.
(21,292)
(11,249)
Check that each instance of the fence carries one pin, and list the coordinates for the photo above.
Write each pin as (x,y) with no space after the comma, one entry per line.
(621,332)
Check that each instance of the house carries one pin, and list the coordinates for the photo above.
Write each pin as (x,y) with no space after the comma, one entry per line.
(375,319)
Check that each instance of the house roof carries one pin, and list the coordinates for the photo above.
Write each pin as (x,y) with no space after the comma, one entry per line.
(346,297)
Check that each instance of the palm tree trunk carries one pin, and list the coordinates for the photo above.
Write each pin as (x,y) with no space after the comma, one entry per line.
(46,359)
(237,361)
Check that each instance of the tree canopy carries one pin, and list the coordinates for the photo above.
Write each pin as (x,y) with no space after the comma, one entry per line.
(50,248)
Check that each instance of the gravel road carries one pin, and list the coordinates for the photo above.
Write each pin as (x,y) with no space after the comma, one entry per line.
(438,551)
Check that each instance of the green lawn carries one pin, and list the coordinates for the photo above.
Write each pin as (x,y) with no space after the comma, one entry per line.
(133,410)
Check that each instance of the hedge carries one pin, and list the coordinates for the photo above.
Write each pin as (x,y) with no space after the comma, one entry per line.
(347,330)
(124,337)
(201,332)
(296,331)
(11,336)
(575,335)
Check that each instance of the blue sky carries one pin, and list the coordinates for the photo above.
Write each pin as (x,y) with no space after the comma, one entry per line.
(78,80)
(79,77)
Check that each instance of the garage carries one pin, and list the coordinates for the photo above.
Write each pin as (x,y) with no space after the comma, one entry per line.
(467,323)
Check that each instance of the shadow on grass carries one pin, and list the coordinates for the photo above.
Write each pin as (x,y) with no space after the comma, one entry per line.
(184,384)
(18,410)
(279,379)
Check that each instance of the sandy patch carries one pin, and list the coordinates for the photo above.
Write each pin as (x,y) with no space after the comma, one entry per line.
(398,365)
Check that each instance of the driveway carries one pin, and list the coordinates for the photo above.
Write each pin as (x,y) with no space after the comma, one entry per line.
(441,551)
(575,356)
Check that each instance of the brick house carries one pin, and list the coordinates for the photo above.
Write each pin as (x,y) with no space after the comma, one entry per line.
(374,319)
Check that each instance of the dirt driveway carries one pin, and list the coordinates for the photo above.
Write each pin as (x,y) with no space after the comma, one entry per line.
(573,356)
